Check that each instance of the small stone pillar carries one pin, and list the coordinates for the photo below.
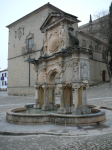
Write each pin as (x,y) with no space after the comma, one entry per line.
(37,104)
(84,96)
(46,103)
(52,97)
(61,97)
(62,110)
(68,101)
(78,98)
(85,109)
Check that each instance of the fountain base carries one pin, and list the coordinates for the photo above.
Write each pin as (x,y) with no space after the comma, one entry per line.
(16,116)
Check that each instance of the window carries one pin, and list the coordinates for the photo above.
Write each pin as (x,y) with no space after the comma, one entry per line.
(83,43)
(2,75)
(23,31)
(15,34)
(2,83)
(104,55)
(5,74)
(97,48)
(91,47)
(30,44)
(5,83)
(91,56)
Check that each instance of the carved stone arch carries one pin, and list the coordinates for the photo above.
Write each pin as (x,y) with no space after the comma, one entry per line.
(29,35)
(51,75)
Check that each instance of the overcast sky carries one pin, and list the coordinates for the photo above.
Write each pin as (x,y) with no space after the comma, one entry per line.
(12,10)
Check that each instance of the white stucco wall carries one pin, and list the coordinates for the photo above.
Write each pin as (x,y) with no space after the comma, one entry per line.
(3,87)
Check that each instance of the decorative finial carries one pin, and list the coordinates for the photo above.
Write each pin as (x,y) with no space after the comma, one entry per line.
(90,19)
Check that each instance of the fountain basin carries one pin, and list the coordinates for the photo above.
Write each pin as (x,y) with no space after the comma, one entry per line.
(15,116)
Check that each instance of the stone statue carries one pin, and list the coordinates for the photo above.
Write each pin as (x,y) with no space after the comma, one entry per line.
(62,37)
(72,39)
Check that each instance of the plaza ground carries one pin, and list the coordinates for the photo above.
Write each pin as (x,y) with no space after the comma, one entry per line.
(79,138)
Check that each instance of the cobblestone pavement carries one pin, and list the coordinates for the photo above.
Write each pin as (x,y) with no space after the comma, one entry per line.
(100,95)
(102,142)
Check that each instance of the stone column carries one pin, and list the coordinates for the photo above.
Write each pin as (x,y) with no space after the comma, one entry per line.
(85,109)
(52,97)
(46,103)
(84,96)
(76,98)
(76,110)
(45,94)
(61,97)
(61,110)
(37,104)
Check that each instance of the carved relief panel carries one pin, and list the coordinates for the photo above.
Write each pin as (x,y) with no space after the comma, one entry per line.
(53,42)
(84,70)
(71,70)
(19,32)
(55,39)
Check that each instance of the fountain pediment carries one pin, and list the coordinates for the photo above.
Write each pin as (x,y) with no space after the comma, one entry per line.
(59,33)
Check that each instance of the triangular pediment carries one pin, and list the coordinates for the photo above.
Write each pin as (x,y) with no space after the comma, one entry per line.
(56,17)
(52,19)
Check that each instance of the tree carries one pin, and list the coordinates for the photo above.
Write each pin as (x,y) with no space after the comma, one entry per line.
(103,31)
(110,41)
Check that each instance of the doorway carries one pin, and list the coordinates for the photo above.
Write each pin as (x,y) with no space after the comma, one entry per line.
(103,75)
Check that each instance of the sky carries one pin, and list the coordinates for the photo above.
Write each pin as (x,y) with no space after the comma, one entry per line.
(12,10)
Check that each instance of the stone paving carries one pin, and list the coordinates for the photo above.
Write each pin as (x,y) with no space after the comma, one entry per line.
(100,95)
(42,142)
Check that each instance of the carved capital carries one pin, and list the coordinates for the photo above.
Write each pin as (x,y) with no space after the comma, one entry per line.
(37,86)
(45,86)
(61,86)
(76,85)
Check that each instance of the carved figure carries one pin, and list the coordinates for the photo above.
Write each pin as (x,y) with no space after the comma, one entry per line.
(72,39)
(62,37)
(62,30)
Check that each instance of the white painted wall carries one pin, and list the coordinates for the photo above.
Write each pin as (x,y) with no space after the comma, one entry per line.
(3,87)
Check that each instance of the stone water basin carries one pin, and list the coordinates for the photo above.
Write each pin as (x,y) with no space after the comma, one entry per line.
(28,115)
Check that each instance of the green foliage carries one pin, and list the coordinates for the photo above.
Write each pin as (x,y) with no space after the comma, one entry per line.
(110,65)
(110,38)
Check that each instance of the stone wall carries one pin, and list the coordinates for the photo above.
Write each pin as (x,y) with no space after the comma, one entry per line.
(97,63)
(18,70)
(96,69)
(18,78)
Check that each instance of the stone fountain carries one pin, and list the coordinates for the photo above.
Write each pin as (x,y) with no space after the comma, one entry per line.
(60,54)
